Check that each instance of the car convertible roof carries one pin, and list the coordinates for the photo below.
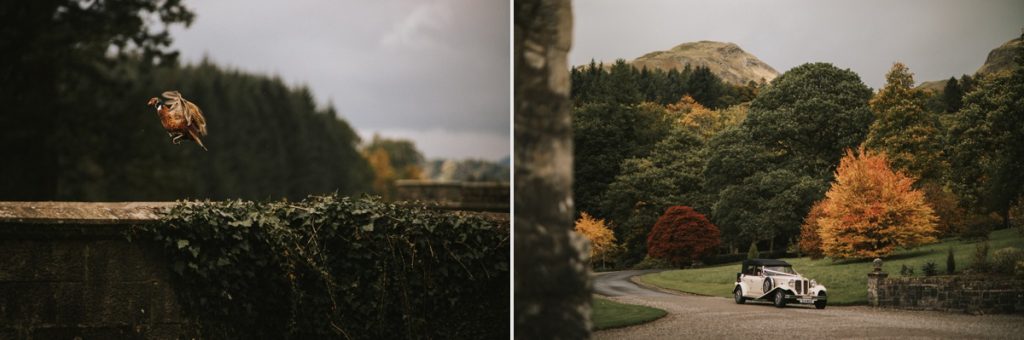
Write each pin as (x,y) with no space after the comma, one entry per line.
(766,262)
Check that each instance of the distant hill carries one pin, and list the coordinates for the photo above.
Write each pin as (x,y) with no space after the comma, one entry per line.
(999,60)
(726,60)
(933,85)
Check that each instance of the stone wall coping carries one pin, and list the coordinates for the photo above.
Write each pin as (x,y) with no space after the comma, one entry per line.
(949,278)
(456,184)
(81,212)
(142,212)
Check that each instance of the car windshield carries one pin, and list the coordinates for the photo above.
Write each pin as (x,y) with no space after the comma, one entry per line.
(775,270)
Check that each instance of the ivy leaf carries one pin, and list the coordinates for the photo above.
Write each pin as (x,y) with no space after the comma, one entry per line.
(368,227)
(182,244)
(243,223)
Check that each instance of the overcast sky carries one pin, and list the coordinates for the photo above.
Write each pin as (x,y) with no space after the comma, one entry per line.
(936,39)
(435,71)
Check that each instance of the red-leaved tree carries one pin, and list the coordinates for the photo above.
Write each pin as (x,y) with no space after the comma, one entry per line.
(681,236)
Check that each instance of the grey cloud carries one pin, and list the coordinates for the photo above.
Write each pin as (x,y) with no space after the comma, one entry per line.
(438,65)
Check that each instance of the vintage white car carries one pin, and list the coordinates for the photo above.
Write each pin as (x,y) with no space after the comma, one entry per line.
(776,281)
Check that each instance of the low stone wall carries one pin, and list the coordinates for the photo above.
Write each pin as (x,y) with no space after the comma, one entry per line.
(67,272)
(970,294)
(471,196)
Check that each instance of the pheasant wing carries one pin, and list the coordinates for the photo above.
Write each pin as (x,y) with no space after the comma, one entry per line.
(194,116)
(175,106)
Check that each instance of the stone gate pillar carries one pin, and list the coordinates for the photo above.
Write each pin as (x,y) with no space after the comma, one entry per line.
(875,277)
(552,289)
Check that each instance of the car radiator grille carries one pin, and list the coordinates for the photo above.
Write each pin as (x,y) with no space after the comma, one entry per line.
(801,287)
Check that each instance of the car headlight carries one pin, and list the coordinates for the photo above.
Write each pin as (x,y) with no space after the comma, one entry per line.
(814,283)
(790,283)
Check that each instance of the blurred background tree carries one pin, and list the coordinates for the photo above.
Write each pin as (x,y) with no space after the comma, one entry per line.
(392,159)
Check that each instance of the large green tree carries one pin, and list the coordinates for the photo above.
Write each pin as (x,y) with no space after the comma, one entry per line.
(765,205)
(605,135)
(986,143)
(903,129)
(809,115)
(765,175)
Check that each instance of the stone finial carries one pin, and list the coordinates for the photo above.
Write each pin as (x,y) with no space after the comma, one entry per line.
(878,264)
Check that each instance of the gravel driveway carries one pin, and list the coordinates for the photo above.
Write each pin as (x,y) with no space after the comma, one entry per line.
(691,316)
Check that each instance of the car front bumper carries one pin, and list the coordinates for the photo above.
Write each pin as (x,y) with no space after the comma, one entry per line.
(805,298)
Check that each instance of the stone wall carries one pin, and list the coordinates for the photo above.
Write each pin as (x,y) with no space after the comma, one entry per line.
(470,196)
(969,294)
(67,272)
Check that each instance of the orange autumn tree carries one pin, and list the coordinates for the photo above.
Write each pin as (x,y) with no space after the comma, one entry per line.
(602,241)
(810,241)
(871,210)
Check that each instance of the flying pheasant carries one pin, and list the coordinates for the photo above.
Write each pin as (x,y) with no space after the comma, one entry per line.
(180,118)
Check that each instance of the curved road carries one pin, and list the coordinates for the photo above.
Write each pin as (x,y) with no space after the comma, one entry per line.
(691,316)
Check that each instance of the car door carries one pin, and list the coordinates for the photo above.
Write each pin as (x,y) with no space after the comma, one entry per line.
(754,282)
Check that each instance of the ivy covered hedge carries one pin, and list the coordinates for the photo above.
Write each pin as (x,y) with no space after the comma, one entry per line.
(335,267)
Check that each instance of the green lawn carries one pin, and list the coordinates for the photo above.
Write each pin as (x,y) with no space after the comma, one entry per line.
(846,280)
(611,314)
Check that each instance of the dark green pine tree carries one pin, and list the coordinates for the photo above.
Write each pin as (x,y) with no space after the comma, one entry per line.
(966,84)
(705,87)
(622,80)
(952,95)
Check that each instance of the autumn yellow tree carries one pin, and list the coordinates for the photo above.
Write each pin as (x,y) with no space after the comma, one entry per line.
(685,105)
(384,174)
(602,241)
(704,121)
(871,210)
(392,160)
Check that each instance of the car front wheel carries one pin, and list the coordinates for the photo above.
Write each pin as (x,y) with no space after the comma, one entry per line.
(820,304)
(738,295)
(780,299)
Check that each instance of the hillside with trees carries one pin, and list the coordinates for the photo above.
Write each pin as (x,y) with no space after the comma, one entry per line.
(724,59)
(758,160)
